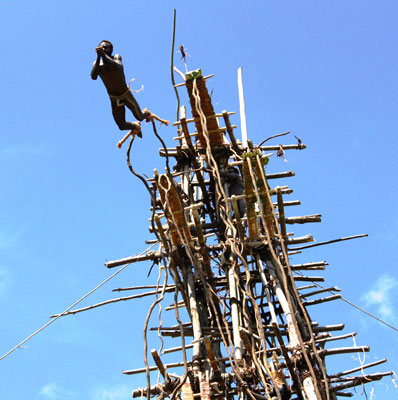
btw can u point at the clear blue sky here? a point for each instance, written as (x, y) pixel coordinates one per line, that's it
(325, 70)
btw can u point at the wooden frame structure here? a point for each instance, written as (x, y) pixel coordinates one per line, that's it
(222, 234)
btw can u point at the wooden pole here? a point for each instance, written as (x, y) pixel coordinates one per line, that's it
(350, 371)
(323, 300)
(230, 131)
(133, 259)
(159, 364)
(360, 380)
(197, 331)
(281, 211)
(235, 314)
(329, 289)
(267, 292)
(330, 241)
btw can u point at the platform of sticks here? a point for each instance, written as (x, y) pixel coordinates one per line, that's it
(242, 312)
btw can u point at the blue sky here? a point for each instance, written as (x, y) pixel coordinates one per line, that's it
(326, 71)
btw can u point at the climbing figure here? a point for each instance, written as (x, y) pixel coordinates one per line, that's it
(235, 185)
(110, 69)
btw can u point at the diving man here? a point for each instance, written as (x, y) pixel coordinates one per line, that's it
(110, 69)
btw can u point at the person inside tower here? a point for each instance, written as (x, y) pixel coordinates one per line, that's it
(235, 185)
(110, 69)
(284, 392)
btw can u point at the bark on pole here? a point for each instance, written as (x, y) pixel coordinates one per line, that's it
(197, 331)
(308, 384)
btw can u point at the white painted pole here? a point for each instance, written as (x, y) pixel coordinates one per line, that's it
(242, 110)
(238, 343)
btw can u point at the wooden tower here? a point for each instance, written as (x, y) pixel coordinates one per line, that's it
(221, 232)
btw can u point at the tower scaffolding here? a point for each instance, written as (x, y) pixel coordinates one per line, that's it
(222, 234)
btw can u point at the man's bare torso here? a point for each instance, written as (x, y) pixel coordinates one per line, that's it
(113, 77)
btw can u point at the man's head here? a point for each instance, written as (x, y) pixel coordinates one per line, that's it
(233, 170)
(107, 46)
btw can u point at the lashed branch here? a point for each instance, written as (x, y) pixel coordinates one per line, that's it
(303, 219)
(136, 296)
(360, 368)
(330, 241)
(359, 380)
(133, 259)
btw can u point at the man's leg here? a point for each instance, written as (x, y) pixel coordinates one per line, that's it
(134, 107)
(119, 115)
(131, 133)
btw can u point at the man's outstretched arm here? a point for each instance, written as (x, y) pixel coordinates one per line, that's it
(95, 69)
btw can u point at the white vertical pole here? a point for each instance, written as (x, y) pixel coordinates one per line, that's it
(242, 110)
(238, 343)
(197, 331)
